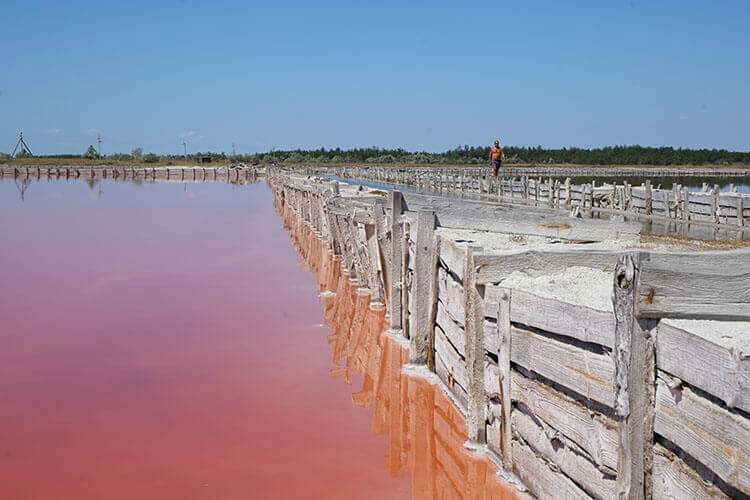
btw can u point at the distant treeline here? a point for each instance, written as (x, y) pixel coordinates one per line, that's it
(613, 155)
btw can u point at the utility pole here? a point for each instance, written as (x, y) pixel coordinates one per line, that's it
(184, 148)
(22, 143)
(233, 149)
(99, 143)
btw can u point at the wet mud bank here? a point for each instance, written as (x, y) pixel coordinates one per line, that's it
(567, 345)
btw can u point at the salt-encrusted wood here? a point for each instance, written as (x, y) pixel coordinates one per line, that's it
(452, 360)
(503, 363)
(706, 285)
(675, 480)
(492, 268)
(576, 466)
(540, 477)
(562, 318)
(396, 279)
(453, 257)
(588, 373)
(716, 437)
(718, 370)
(474, 327)
(451, 294)
(453, 331)
(634, 383)
(593, 432)
(425, 278)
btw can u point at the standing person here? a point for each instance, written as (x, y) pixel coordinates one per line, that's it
(497, 157)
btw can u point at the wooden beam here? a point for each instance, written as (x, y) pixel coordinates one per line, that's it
(474, 327)
(705, 285)
(492, 268)
(634, 384)
(425, 279)
(503, 363)
(396, 280)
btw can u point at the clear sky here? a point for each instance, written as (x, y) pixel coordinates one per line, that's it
(420, 75)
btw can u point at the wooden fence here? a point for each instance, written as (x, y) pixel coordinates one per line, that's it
(676, 204)
(235, 174)
(577, 401)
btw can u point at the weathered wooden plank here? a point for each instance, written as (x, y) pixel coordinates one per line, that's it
(474, 327)
(711, 434)
(722, 372)
(593, 432)
(588, 373)
(675, 480)
(705, 285)
(503, 363)
(397, 258)
(445, 371)
(451, 294)
(513, 219)
(453, 257)
(453, 331)
(492, 268)
(424, 276)
(634, 384)
(452, 359)
(572, 464)
(572, 320)
(541, 479)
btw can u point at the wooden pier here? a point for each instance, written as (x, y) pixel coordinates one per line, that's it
(585, 365)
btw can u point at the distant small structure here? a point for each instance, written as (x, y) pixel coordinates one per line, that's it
(203, 158)
(25, 149)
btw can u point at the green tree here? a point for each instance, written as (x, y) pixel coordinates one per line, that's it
(137, 154)
(91, 153)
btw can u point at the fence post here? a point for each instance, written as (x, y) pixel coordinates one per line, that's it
(635, 382)
(474, 324)
(503, 363)
(396, 278)
(425, 271)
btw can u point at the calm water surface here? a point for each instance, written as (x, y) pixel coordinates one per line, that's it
(161, 341)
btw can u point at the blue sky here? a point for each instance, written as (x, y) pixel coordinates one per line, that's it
(419, 75)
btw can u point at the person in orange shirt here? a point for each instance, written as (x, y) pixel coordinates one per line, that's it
(497, 157)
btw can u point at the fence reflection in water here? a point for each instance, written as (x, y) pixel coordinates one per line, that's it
(427, 431)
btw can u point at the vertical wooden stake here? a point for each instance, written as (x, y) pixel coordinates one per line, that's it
(503, 363)
(649, 202)
(740, 211)
(396, 279)
(635, 383)
(474, 324)
(715, 204)
(424, 277)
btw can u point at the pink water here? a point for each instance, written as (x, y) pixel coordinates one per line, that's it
(163, 342)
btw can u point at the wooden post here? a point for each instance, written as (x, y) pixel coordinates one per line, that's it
(715, 204)
(396, 278)
(649, 203)
(740, 211)
(474, 324)
(425, 269)
(635, 383)
(567, 193)
(685, 205)
(503, 363)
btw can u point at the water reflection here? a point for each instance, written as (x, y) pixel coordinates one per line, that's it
(426, 430)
